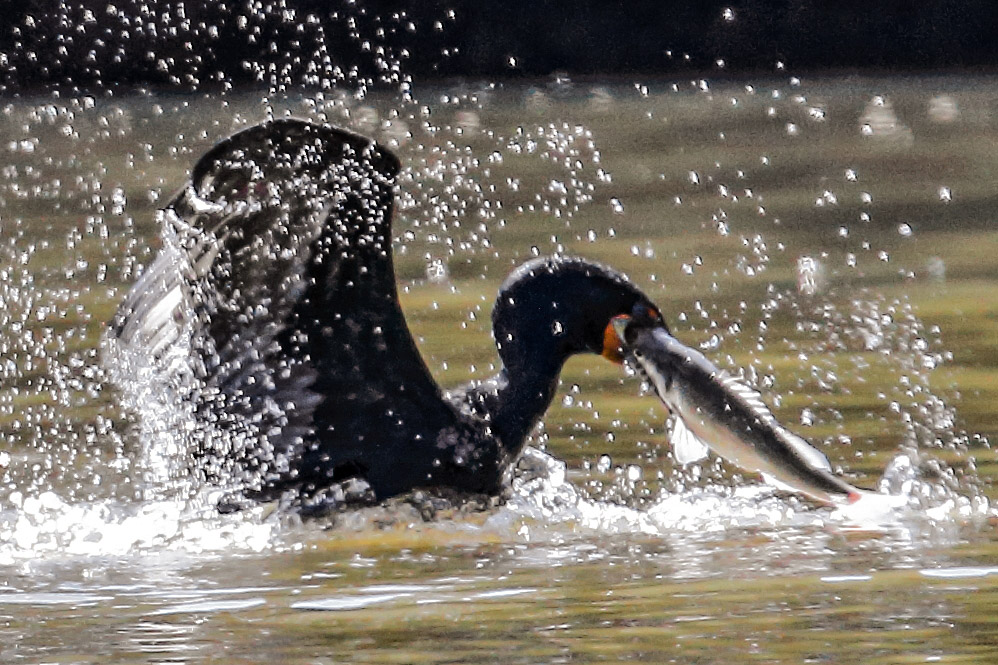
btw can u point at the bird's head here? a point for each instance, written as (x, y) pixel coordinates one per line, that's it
(554, 307)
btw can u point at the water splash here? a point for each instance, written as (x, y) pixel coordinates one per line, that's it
(46, 527)
(87, 168)
(542, 497)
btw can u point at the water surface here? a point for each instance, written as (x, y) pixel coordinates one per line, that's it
(884, 356)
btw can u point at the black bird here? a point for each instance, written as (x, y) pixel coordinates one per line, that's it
(276, 291)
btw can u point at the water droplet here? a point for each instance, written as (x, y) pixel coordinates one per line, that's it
(810, 275)
(436, 271)
(807, 417)
(711, 344)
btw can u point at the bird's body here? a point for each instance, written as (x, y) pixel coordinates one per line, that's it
(277, 281)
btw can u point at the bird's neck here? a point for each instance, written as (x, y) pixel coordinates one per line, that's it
(514, 400)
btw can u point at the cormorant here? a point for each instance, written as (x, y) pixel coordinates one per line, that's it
(274, 297)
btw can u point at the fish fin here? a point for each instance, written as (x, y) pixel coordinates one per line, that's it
(772, 481)
(814, 457)
(753, 399)
(686, 446)
(864, 508)
(748, 395)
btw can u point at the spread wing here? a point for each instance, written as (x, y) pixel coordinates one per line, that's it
(277, 276)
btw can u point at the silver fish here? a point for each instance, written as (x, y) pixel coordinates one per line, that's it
(717, 411)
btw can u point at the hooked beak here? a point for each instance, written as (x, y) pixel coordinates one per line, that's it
(615, 336)
(620, 324)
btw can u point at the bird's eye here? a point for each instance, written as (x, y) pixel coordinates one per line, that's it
(643, 312)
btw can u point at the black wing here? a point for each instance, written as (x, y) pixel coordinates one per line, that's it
(278, 263)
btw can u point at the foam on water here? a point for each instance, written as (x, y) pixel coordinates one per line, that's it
(544, 504)
(543, 497)
(48, 527)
